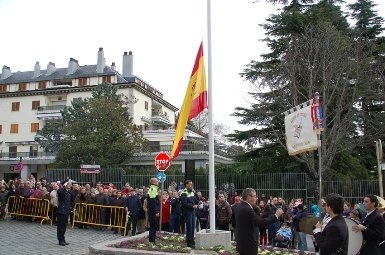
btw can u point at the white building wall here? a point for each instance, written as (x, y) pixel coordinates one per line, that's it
(24, 117)
(140, 110)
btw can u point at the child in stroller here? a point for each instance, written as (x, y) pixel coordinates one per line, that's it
(284, 236)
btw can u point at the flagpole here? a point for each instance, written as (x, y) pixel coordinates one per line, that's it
(319, 144)
(211, 125)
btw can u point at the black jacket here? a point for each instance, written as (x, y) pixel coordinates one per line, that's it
(247, 228)
(133, 204)
(382, 246)
(334, 237)
(374, 234)
(117, 201)
(175, 206)
(64, 197)
(142, 213)
(102, 199)
(188, 200)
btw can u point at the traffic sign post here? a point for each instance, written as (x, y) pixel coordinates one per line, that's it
(161, 177)
(162, 161)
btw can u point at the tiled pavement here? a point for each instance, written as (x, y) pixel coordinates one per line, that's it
(29, 238)
(21, 237)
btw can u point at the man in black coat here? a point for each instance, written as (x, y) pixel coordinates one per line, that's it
(132, 205)
(334, 238)
(372, 227)
(248, 223)
(63, 211)
(189, 202)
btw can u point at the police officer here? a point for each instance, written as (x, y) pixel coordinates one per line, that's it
(190, 202)
(153, 206)
(63, 211)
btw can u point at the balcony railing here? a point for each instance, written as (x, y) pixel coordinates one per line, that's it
(50, 112)
(186, 148)
(158, 117)
(26, 155)
(50, 108)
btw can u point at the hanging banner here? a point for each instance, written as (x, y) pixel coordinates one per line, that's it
(300, 136)
(317, 115)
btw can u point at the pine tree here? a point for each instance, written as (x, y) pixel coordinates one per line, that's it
(311, 49)
(370, 118)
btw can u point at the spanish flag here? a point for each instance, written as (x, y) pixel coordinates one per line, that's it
(195, 101)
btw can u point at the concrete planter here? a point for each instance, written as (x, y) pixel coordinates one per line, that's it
(105, 249)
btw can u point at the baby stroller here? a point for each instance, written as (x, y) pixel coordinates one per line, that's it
(283, 237)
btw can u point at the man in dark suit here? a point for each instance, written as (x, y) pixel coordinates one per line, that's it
(132, 205)
(334, 238)
(248, 223)
(372, 227)
(63, 211)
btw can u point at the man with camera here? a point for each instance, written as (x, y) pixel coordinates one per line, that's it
(275, 204)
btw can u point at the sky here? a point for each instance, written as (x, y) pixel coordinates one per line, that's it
(163, 35)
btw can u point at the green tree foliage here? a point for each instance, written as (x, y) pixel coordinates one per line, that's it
(312, 49)
(93, 130)
(370, 118)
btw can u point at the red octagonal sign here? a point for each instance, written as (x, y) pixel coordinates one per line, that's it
(162, 161)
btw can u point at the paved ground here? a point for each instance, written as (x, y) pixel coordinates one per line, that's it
(20, 237)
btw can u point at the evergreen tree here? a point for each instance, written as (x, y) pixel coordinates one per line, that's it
(370, 118)
(311, 49)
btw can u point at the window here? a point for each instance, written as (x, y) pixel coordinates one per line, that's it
(42, 84)
(12, 151)
(146, 105)
(35, 105)
(82, 81)
(33, 151)
(3, 88)
(107, 79)
(14, 128)
(63, 83)
(34, 127)
(15, 106)
(1, 129)
(22, 86)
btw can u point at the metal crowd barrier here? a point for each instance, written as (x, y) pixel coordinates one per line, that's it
(100, 215)
(29, 207)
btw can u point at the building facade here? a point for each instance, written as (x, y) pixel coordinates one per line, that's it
(30, 99)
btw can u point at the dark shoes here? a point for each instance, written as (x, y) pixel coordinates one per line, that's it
(63, 243)
(191, 244)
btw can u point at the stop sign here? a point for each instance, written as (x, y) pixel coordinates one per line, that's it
(162, 161)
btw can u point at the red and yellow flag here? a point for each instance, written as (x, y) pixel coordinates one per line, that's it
(195, 101)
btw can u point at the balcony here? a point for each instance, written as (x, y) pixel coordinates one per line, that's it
(26, 155)
(51, 112)
(160, 118)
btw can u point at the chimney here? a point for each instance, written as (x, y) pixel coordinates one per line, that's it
(127, 64)
(101, 61)
(50, 68)
(73, 66)
(36, 70)
(113, 66)
(6, 72)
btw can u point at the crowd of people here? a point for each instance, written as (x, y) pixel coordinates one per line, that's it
(181, 209)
